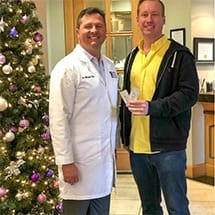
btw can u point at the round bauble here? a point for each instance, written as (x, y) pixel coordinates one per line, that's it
(14, 129)
(24, 19)
(59, 207)
(7, 69)
(37, 89)
(46, 135)
(35, 176)
(24, 123)
(41, 198)
(56, 184)
(2, 59)
(31, 69)
(49, 173)
(19, 196)
(3, 104)
(9, 136)
(13, 88)
(3, 191)
(38, 37)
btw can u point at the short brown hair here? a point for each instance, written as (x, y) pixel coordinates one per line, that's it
(161, 3)
(89, 11)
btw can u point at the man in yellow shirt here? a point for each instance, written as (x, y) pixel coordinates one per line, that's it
(155, 127)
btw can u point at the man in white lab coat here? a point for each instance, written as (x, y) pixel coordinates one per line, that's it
(83, 120)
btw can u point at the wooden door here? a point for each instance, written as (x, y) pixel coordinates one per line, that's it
(209, 138)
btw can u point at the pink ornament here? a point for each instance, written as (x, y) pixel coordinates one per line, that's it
(2, 191)
(45, 117)
(24, 19)
(41, 198)
(59, 207)
(35, 177)
(56, 184)
(38, 37)
(37, 89)
(2, 59)
(46, 135)
(13, 88)
(14, 129)
(24, 123)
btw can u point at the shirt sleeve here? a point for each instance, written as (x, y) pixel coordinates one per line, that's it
(61, 104)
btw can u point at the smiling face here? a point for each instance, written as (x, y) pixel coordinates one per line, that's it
(151, 19)
(92, 33)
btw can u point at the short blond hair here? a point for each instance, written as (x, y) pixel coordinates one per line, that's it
(161, 3)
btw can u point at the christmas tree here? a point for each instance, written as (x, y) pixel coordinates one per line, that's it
(28, 175)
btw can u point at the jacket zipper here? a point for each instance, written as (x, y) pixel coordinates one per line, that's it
(165, 66)
(123, 109)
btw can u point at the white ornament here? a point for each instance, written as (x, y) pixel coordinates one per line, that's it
(7, 69)
(31, 69)
(2, 25)
(9, 136)
(19, 196)
(3, 104)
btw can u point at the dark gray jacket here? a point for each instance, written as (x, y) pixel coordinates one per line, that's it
(177, 89)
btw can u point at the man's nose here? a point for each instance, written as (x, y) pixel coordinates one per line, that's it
(149, 18)
(93, 29)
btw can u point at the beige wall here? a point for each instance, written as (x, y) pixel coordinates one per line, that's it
(55, 31)
(178, 16)
(203, 25)
(50, 13)
(42, 16)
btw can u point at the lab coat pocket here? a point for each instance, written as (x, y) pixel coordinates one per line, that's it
(87, 151)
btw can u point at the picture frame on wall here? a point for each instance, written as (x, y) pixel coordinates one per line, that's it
(178, 35)
(204, 50)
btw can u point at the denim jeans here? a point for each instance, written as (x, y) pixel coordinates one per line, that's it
(162, 171)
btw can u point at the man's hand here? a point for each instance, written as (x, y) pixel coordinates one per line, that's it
(138, 107)
(70, 173)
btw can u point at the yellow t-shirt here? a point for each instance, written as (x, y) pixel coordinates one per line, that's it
(143, 76)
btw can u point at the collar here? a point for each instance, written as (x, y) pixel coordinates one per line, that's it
(156, 45)
(89, 56)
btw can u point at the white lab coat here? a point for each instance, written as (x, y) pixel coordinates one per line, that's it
(83, 121)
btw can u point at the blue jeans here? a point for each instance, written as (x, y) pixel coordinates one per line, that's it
(163, 171)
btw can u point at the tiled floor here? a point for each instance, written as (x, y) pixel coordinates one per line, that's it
(125, 199)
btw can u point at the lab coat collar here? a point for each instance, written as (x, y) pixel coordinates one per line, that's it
(85, 57)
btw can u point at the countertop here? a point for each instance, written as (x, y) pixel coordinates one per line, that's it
(206, 97)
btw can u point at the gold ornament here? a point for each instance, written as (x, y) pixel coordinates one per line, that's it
(3, 104)
(35, 61)
(9, 136)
